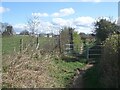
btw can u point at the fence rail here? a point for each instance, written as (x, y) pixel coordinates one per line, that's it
(94, 53)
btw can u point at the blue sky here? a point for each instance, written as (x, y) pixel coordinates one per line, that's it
(80, 15)
(60, 0)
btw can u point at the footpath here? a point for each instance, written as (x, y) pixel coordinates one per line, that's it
(78, 78)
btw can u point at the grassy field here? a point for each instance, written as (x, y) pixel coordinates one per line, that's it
(22, 69)
(11, 43)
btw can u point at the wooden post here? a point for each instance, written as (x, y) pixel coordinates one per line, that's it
(59, 42)
(21, 45)
(37, 40)
(14, 49)
(87, 53)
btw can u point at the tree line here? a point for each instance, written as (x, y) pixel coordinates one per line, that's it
(102, 29)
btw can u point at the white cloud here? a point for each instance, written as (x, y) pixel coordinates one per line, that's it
(81, 24)
(60, 21)
(80, 21)
(84, 29)
(40, 14)
(45, 27)
(20, 27)
(3, 9)
(64, 12)
(84, 21)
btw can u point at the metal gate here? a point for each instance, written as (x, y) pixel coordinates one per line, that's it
(94, 52)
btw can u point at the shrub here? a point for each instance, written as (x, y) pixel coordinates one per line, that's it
(109, 62)
(24, 32)
(77, 42)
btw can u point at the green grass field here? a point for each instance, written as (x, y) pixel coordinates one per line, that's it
(11, 43)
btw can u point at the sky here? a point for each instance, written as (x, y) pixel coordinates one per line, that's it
(55, 15)
(59, 0)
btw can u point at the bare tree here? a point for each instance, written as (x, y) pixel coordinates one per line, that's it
(33, 24)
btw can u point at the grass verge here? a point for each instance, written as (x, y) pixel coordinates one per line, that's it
(65, 71)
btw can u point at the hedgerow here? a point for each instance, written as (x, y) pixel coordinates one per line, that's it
(109, 62)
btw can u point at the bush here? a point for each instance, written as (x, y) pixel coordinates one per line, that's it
(25, 32)
(8, 31)
(77, 42)
(109, 62)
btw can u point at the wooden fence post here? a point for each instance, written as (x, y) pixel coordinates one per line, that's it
(14, 49)
(71, 39)
(37, 40)
(37, 46)
(21, 45)
(87, 53)
(59, 39)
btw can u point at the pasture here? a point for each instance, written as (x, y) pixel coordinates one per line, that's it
(12, 43)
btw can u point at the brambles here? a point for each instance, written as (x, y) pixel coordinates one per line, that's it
(20, 70)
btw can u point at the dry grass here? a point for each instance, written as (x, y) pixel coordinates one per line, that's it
(27, 70)
(36, 69)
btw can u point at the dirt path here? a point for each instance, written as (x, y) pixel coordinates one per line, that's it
(78, 79)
